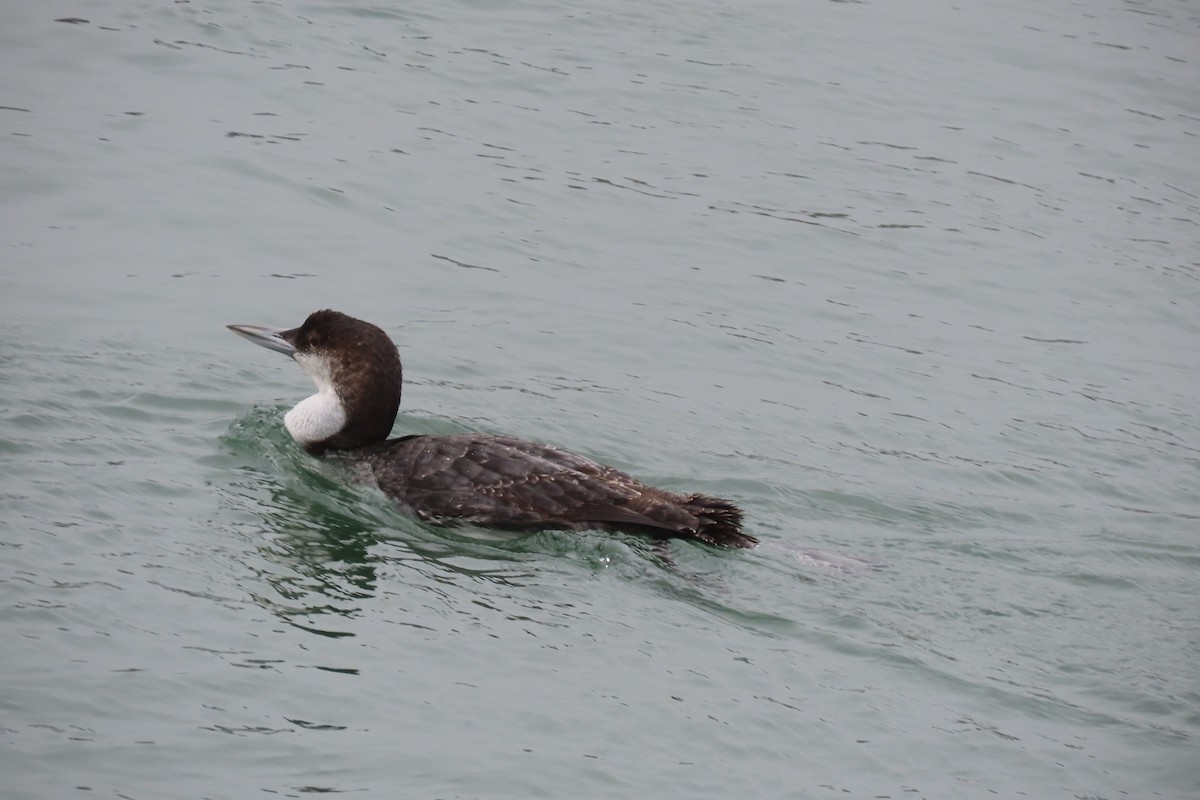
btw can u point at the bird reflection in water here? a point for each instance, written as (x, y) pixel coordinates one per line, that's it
(322, 551)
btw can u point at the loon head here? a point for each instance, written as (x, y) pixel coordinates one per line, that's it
(357, 372)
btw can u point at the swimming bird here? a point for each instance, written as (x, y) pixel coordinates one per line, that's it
(475, 478)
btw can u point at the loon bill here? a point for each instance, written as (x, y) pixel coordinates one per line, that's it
(476, 478)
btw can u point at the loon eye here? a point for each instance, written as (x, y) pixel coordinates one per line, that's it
(313, 339)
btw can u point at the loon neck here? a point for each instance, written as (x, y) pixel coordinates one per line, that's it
(356, 402)
(316, 419)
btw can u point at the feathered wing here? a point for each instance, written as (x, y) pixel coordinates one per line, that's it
(503, 482)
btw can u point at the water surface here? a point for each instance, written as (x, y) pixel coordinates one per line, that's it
(913, 283)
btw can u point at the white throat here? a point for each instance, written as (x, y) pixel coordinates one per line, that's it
(321, 415)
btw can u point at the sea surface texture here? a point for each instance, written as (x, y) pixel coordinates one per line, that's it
(917, 284)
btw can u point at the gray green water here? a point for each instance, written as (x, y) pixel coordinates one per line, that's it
(915, 283)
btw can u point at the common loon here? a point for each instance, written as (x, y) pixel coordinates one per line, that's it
(477, 478)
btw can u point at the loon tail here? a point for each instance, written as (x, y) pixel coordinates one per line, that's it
(718, 522)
